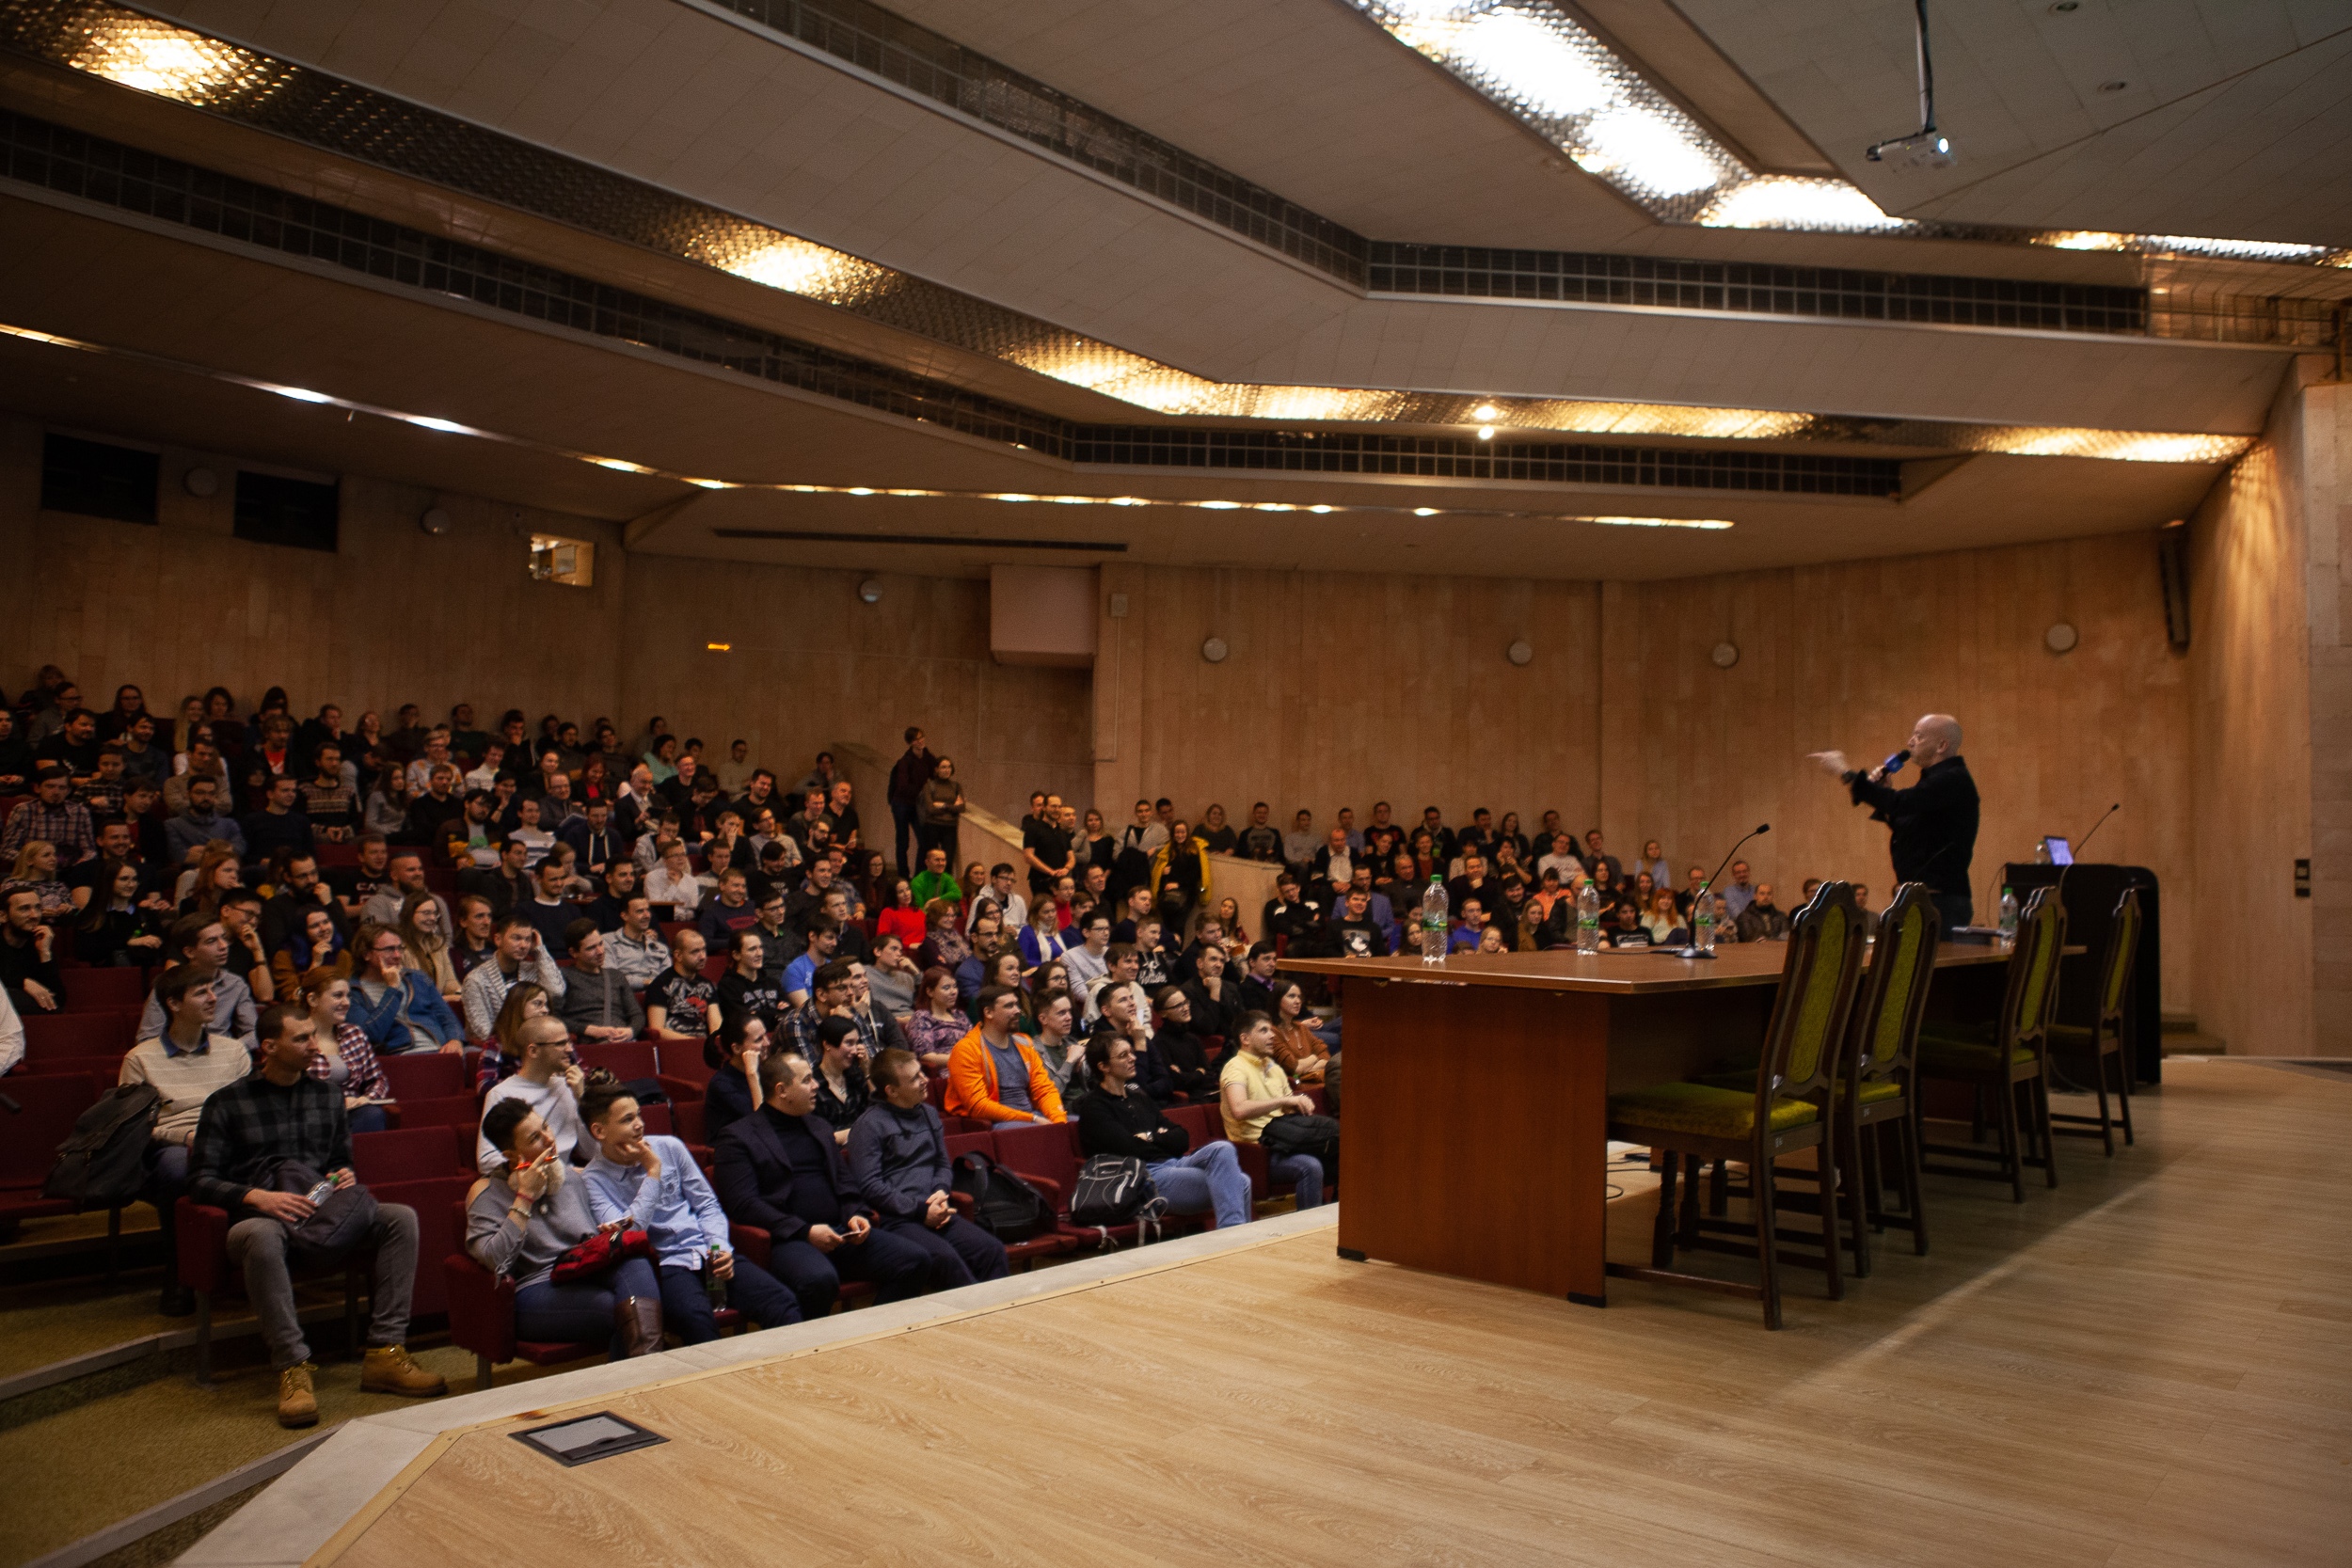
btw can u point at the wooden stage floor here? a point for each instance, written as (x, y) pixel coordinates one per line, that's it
(2147, 1369)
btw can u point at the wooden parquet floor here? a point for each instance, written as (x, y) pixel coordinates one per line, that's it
(2150, 1367)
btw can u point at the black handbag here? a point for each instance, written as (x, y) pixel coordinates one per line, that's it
(1111, 1187)
(1300, 1133)
(339, 1222)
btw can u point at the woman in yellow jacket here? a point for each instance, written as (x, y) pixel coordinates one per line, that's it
(1182, 860)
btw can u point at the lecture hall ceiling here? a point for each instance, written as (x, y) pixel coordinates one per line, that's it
(1361, 143)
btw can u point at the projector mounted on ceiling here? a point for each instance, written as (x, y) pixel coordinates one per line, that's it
(1925, 148)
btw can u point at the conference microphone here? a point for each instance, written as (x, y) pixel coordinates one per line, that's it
(1692, 951)
(2095, 827)
(2074, 857)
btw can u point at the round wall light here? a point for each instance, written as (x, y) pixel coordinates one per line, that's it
(200, 481)
(1215, 650)
(1521, 652)
(2062, 638)
(871, 590)
(1724, 654)
(435, 522)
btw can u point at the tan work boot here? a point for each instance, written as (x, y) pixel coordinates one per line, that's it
(388, 1370)
(297, 1402)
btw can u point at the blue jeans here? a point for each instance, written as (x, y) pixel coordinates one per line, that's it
(367, 1118)
(1303, 1172)
(753, 1291)
(1210, 1177)
(581, 1312)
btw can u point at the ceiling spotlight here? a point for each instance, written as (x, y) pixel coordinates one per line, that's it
(1487, 411)
(436, 521)
(1485, 432)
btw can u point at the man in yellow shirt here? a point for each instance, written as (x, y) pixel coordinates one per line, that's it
(1252, 1090)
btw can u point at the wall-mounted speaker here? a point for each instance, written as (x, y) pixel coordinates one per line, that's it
(2173, 571)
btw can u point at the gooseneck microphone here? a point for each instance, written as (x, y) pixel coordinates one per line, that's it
(2095, 827)
(1709, 887)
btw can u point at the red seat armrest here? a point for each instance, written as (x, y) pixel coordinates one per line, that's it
(481, 1308)
(753, 1243)
(203, 1241)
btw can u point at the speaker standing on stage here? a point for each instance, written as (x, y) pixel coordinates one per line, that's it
(1933, 823)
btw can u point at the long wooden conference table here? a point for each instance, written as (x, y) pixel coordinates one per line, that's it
(1476, 1092)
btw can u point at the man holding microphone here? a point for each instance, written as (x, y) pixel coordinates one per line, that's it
(1933, 823)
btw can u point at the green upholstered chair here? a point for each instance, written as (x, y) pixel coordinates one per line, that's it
(1788, 1107)
(2007, 1058)
(1884, 1056)
(2104, 1037)
(1876, 1083)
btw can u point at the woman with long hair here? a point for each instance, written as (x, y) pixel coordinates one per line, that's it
(937, 1022)
(315, 948)
(527, 1001)
(427, 946)
(596, 781)
(1184, 860)
(218, 874)
(944, 944)
(113, 931)
(1296, 1045)
(344, 1056)
(130, 707)
(1236, 937)
(1507, 831)
(185, 725)
(386, 810)
(899, 917)
(1041, 940)
(36, 870)
(662, 760)
(1664, 920)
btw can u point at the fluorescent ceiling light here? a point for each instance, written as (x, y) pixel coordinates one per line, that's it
(1790, 201)
(1549, 69)
(1656, 523)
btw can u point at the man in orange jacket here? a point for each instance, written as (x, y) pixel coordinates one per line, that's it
(994, 1075)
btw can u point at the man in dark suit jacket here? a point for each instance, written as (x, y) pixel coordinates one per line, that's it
(780, 1170)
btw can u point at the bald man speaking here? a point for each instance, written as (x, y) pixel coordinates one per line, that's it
(1933, 823)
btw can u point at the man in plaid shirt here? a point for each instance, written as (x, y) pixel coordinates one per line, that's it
(282, 1113)
(49, 814)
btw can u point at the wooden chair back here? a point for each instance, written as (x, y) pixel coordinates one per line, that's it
(1894, 991)
(1803, 1052)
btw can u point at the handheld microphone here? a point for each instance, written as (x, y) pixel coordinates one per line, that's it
(1709, 888)
(1894, 764)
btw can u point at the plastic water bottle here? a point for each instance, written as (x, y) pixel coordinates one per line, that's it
(1587, 918)
(1703, 919)
(1434, 925)
(2009, 917)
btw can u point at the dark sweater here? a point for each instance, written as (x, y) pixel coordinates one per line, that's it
(1132, 1125)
